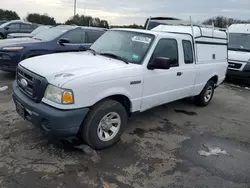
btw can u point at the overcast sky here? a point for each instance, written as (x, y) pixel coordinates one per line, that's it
(132, 11)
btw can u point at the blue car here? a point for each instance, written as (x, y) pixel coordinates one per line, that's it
(63, 38)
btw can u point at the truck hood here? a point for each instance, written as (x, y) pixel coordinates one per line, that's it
(238, 56)
(60, 68)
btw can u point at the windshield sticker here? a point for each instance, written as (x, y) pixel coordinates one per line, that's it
(134, 56)
(141, 39)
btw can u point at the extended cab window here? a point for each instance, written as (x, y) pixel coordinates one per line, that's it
(167, 48)
(92, 36)
(75, 36)
(188, 52)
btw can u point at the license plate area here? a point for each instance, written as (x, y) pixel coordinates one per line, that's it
(20, 110)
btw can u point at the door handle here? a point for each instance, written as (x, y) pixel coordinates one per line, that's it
(179, 73)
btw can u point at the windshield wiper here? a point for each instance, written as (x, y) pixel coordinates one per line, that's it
(93, 51)
(37, 39)
(115, 56)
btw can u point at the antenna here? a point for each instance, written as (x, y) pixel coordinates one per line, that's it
(194, 45)
(213, 29)
(149, 19)
(192, 27)
(74, 7)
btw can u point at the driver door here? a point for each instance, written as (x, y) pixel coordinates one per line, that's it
(160, 85)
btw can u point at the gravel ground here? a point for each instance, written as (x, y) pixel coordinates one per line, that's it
(160, 148)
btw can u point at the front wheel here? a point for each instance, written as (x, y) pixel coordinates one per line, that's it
(206, 95)
(104, 124)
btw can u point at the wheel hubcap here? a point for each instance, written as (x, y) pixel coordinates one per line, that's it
(109, 126)
(208, 94)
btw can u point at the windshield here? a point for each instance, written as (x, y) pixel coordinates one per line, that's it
(239, 41)
(39, 29)
(131, 46)
(51, 34)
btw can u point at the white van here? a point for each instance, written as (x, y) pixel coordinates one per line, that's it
(92, 93)
(239, 51)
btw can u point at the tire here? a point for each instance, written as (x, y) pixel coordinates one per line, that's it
(1, 36)
(95, 133)
(203, 99)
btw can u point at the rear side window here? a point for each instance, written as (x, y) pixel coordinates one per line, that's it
(13, 26)
(188, 52)
(25, 26)
(92, 36)
(167, 48)
(76, 36)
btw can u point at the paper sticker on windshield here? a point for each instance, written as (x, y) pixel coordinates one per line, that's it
(135, 56)
(141, 39)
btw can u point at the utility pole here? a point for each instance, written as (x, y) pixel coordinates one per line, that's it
(74, 7)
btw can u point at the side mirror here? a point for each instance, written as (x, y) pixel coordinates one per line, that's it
(160, 63)
(7, 28)
(63, 41)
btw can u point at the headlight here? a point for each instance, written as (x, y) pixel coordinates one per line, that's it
(59, 95)
(12, 48)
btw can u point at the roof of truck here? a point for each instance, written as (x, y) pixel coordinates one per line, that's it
(137, 30)
(198, 32)
(239, 28)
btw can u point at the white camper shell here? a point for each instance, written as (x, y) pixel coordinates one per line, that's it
(239, 51)
(210, 44)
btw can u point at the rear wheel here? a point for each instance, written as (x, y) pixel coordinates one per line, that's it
(1, 36)
(104, 124)
(206, 95)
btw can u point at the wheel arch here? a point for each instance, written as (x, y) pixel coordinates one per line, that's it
(214, 78)
(121, 98)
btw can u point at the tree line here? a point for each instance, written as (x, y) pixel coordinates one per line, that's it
(45, 19)
(82, 20)
(223, 22)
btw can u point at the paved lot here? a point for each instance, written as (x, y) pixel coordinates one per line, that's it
(160, 148)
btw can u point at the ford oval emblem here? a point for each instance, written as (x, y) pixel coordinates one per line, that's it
(24, 83)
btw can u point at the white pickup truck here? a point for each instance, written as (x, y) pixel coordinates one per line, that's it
(91, 94)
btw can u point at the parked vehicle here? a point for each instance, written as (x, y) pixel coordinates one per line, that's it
(15, 26)
(239, 51)
(2, 21)
(57, 39)
(29, 35)
(91, 94)
(153, 22)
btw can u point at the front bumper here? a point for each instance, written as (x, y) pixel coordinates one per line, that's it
(244, 75)
(57, 122)
(9, 61)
